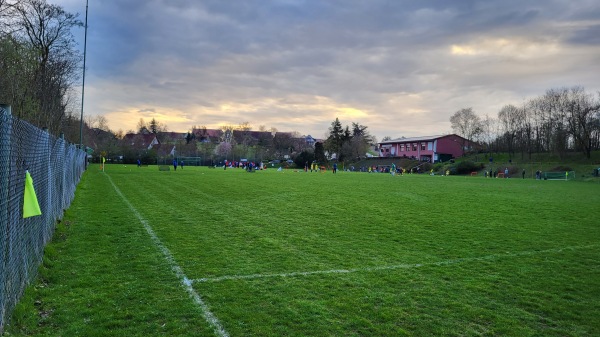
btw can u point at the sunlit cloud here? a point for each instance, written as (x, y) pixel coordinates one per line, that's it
(519, 47)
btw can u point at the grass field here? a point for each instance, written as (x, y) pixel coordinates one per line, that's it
(208, 252)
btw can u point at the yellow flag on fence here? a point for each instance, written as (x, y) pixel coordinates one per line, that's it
(103, 160)
(31, 207)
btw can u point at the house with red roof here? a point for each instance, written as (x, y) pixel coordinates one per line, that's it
(429, 148)
(139, 140)
(207, 135)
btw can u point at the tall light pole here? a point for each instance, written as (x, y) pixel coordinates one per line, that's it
(83, 84)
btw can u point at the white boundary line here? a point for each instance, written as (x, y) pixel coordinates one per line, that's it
(187, 283)
(390, 267)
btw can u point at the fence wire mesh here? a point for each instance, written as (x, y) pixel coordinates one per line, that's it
(56, 168)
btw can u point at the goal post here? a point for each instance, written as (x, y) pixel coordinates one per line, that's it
(168, 162)
(190, 161)
(564, 175)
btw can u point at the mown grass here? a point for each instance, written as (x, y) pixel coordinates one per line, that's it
(300, 254)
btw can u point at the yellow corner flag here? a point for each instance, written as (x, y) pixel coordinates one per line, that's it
(31, 207)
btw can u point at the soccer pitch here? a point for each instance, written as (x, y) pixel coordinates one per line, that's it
(213, 252)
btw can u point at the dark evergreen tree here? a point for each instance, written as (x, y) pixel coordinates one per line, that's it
(320, 153)
(334, 141)
(153, 126)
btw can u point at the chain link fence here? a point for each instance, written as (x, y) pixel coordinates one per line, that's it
(56, 167)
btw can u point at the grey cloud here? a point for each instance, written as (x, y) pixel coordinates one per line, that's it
(587, 36)
(369, 55)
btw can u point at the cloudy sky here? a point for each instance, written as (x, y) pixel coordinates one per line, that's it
(402, 68)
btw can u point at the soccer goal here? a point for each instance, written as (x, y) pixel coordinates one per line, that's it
(565, 175)
(164, 163)
(190, 161)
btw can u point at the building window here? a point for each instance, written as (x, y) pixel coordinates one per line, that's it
(401, 147)
(423, 146)
(414, 146)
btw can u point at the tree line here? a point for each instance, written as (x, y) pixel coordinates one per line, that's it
(233, 143)
(559, 121)
(39, 64)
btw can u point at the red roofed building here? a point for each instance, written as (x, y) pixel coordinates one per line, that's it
(146, 141)
(207, 135)
(429, 148)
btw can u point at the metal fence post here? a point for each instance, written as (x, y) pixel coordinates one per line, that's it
(5, 134)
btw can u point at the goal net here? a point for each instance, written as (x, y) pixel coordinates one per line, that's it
(168, 163)
(164, 163)
(565, 175)
(190, 161)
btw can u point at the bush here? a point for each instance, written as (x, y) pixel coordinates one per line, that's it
(426, 168)
(303, 158)
(466, 167)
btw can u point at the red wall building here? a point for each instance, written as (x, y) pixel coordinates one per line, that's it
(431, 148)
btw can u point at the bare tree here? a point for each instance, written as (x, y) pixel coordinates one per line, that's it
(553, 122)
(580, 110)
(467, 124)
(245, 126)
(142, 126)
(46, 29)
(227, 135)
(282, 143)
(7, 15)
(97, 122)
(528, 130)
(488, 132)
(510, 118)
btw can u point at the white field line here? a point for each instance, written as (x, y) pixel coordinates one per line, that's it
(187, 283)
(390, 267)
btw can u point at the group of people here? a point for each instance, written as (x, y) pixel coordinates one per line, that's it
(496, 174)
(246, 165)
(175, 163)
(314, 167)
